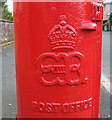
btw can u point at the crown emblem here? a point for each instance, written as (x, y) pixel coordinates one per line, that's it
(62, 36)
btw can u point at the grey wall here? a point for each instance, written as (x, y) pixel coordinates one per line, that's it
(107, 10)
(6, 31)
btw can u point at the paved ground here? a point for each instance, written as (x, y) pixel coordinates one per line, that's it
(8, 81)
(106, 54)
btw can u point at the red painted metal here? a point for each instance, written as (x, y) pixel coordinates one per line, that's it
(58, 59)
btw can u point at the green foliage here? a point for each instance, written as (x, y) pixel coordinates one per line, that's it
(6, 14)
(110, 17)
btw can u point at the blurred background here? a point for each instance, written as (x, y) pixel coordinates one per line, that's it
(9, 108)
(107, 21)
(6, 20)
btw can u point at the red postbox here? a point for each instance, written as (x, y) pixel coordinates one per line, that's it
(58, 58)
